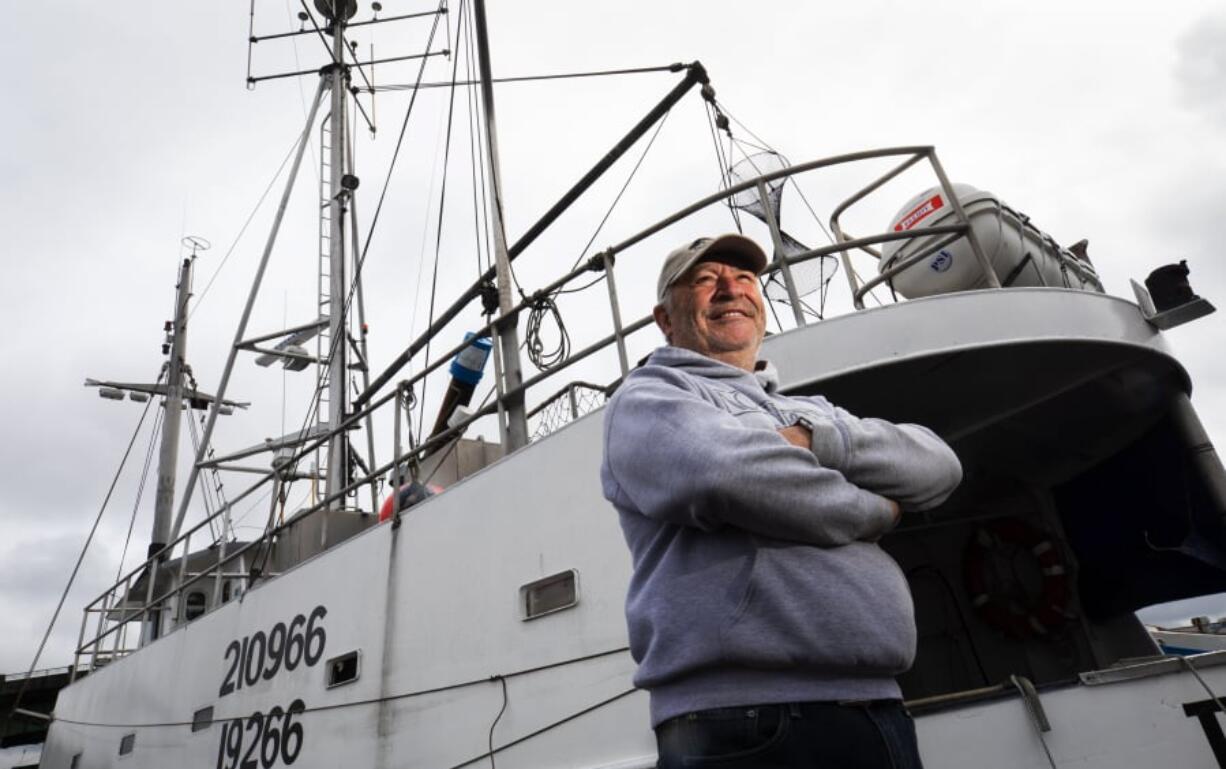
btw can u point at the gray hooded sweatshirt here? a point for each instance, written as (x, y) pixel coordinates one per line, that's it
(757, 577)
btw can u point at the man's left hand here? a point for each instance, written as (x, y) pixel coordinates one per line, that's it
(797, 435)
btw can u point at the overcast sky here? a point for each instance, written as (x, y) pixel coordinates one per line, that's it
(130, 127)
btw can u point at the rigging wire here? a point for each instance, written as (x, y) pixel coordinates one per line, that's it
(622, 191)
(442, 206)
(77, 567)
(140, 490)
(396, 152)
(242, 230)
(476, 151)
(210, 503)
(534, 78)
(289, 14)
(723, 166)
(418, 284)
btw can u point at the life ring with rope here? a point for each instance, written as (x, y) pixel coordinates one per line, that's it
(1038, 616)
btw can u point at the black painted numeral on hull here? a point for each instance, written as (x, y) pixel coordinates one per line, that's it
(1205, 712)
(227, 683)
(265, 739)
(261, 656)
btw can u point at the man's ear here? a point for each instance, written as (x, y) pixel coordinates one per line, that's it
(660, 313)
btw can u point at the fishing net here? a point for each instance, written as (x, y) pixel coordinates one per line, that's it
(808, 276)
(572, 402)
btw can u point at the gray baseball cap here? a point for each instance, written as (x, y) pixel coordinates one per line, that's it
(685, 257)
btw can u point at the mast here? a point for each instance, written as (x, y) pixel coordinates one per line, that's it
(337, 12)
(508, 331)
(168, 452)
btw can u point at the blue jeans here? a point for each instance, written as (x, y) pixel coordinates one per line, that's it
(814, 735)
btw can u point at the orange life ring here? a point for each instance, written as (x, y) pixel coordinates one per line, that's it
(1038, 617)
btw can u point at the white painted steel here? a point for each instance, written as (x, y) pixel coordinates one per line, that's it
(958, 322)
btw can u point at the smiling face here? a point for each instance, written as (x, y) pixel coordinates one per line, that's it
(715, 308)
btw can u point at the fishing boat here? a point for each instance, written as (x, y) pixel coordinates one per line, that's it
(443, 600)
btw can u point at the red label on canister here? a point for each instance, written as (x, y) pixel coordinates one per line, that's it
(917, 214)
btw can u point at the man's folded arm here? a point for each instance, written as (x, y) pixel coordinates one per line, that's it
(905, 462)
(678, 458)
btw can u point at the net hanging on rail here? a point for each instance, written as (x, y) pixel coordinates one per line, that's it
(809, 276)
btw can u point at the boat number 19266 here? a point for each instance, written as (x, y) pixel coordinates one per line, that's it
(262, 655)
(266, 737)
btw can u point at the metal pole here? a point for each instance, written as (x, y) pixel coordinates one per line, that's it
(155, 621)
(125, 620)
(398, 408)
(780, 257)
(221, 558)
(500, 389)
(622, 358)
(338, 446)
(574, 403)
(508, 333)
(187, 549)
(361, 341)
(168, 453)
(76, 657)
(202, 453)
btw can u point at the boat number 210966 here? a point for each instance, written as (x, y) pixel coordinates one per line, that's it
(264, 655)
(276, 735)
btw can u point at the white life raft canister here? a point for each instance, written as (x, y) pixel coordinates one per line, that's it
(1021, 254)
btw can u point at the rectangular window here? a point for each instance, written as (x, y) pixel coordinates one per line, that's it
(344, 669)
(127, 744)
(553, 593)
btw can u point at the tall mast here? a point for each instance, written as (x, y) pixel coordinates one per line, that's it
(508, 331)
(168, 453)
(338, 13)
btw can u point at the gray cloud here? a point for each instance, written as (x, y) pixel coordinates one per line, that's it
(1201, 68)
(34, 571)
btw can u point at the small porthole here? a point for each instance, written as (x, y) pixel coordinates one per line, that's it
(127, 744)
(344, 669)
(553, 593)
(202, 719)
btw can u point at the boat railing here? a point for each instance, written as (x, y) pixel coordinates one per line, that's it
(113, 609)
(566, 405)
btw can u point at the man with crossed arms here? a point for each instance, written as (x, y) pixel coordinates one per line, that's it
(767, 623)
